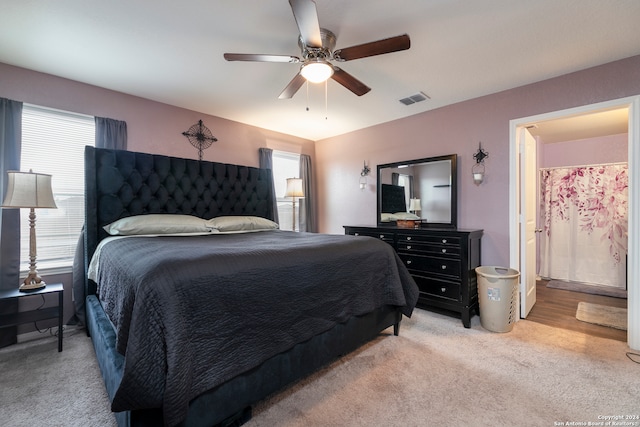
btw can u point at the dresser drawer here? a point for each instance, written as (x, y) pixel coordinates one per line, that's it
(434, 265)
(428, 239)
(428, 249)
(382, 235)
(438, 288)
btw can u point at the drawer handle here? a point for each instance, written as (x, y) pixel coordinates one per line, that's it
(444, 240)
(444, 267)
(382, 236)
(356, 234)
(408, 246)
(408, 237)
(408, 262)
(444, 251)
(443, 290)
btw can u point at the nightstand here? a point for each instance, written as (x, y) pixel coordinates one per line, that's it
(14, 319)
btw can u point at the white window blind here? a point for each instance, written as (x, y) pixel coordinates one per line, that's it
(53, 142)
(285, 165)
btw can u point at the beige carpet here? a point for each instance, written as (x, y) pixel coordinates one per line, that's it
(436, 373)
(613, 317)
(41, 387)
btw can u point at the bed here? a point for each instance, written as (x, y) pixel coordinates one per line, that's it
(192, 327)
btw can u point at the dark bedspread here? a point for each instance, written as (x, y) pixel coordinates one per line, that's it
(193, 312)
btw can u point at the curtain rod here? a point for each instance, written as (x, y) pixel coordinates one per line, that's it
(584, 166)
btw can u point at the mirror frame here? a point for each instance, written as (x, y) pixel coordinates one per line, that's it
(453, 223)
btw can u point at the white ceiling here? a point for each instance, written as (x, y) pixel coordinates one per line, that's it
(583, 126)
(172, 51)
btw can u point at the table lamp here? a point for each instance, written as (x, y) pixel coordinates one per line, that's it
(30, 190)
(414, 205)
(294, 189)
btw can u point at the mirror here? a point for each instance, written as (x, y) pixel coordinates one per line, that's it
(423, 189)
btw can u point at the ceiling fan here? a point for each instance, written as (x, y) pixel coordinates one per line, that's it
(317, 49)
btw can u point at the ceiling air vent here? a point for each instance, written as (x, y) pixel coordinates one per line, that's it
(418, 97)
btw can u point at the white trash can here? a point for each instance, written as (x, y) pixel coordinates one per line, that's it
(498, 296)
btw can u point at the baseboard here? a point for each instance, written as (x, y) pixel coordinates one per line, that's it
(46, 332)
(34, 335)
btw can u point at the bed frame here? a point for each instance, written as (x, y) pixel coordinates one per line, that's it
(124, 183)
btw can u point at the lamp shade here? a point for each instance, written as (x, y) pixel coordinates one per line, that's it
(294, 188)
(316, 70)
(414, 205)
(28, 190)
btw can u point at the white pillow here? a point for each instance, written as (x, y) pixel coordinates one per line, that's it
(387, 217)
(157, 224)
(405, 215)
(241, 223)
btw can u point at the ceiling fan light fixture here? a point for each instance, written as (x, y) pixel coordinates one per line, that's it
(316, 70)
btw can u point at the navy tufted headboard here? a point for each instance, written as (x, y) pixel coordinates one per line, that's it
(124, 183)
(393, 198)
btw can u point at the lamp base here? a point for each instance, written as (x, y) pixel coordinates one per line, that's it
(33, 282)
(32, 287)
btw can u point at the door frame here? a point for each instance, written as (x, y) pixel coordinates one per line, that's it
(633, 269)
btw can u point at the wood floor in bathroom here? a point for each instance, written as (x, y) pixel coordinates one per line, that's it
(557, 307)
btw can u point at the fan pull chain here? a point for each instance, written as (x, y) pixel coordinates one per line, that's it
(326, 100)
(307, 85)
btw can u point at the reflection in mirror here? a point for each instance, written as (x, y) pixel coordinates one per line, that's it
(423, 189)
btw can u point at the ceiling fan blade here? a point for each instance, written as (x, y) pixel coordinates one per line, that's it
(306, 15)
(292, 87)
(392, 44)
(350, 82)
(260, 58)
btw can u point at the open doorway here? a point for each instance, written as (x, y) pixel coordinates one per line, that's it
(520, 234)
(581, 206)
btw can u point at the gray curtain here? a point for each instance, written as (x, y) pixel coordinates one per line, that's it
(111, 134)
(266, 162)
(412, 191)
(10, 146)
(308, 220)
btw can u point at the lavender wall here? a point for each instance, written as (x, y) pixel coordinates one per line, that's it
(457, 129)
(152, 127)
(592, 151)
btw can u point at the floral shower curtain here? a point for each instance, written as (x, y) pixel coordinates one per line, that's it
(584, 237)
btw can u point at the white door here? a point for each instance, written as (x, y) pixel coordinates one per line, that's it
(528, 189)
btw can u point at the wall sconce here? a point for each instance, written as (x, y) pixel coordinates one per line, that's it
(363, 176)
(477, 170)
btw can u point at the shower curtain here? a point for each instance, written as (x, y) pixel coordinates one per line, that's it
(584, 213)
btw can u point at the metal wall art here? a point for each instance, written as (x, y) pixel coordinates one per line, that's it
(200, 137)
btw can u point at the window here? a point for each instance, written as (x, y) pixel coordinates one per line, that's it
(405, 181)
(53, 142)
(285, 165)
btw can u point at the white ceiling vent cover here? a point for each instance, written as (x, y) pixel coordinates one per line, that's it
(418, 97)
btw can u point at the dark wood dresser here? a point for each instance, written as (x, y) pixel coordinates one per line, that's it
(441, 261)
